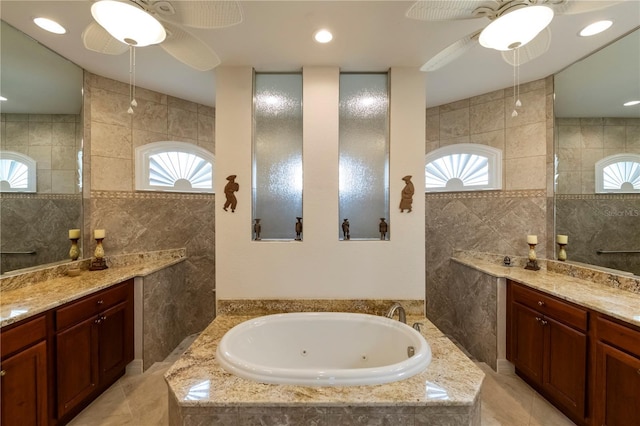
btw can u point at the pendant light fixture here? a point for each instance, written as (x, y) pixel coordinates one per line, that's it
(130, 25)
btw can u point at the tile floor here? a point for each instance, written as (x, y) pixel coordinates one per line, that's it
(141, 400)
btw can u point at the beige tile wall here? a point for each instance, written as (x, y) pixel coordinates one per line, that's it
(53, 141)
(584, 141)
(489, 221)
(138, 221)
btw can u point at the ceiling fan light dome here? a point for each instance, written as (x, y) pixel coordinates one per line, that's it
(128, 23)
(517, 28)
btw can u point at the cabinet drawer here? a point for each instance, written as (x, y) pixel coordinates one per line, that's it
(624, 337)
(23, 335)
(91, 305)
(548, 305)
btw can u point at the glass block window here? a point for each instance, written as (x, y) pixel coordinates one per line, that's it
(277, 176)
(618, 173)
(17, 172)
(463, 167)
(174, 166)
(363, 156)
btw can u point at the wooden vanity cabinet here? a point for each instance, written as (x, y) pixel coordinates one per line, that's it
(616, 390)
(549, 347)
(94, 344)
(23, 374)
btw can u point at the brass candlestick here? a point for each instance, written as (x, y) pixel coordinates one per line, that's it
(74, 251)
(532, 264)
(562, 254)
(98, 263)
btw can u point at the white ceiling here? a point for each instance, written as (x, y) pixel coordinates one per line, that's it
(368, 36)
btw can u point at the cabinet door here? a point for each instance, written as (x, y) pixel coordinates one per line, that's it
(527, 340)
(565, 366)
(617, 386)
(116, 341)
(24, 387)
(77, 362)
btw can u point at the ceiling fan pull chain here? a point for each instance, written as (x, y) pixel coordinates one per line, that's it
(516, 82)
(134, 103)
(518, 103)
(130, 110)
(132, 79)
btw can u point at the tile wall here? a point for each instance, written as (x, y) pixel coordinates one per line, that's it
(489, 221)
(596, 221)
(147, 221)
(27, 220)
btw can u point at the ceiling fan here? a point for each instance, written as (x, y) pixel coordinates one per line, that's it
(172, 17)
(439, 10)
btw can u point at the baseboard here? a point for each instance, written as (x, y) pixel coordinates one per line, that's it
(504, 367)
(134, 367)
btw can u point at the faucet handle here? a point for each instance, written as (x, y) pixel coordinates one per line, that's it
(417, 325)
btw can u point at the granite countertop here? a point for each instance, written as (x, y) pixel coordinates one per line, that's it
(26, 295)
(595, 290)
(451, 378)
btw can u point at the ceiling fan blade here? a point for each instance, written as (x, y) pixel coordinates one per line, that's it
(443, 10)
(199, 14)
(536, 47)
(450, 53)
(189, 49)
(572, 7)
(97, 39)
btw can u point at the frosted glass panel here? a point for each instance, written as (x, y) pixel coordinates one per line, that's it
(277, 154)
(364, 154)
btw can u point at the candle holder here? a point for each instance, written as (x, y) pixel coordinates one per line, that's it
(532, 264)
(562, 254)
(74, 251)
(98, 263)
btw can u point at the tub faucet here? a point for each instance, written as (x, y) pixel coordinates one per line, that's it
(402, 316)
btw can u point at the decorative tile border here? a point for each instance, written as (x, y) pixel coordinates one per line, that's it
(597, 196)
(144, 195)
(41, 196)
(534, 193)
(275, 306)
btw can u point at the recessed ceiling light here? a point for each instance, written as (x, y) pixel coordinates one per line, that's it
(323, 36)
(595, 28)
(631, 103)
(49, 25)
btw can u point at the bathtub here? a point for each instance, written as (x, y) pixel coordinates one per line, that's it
(323, 349)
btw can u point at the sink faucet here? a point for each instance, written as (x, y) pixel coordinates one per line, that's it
(402, 316)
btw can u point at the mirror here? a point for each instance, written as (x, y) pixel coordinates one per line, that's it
(598, 206)
(41, 125)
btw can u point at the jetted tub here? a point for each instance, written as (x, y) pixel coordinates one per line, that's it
(323, 349)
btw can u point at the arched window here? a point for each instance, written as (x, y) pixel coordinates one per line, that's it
(17, 172)
(618, 173)
(174, 166)
(463, 167)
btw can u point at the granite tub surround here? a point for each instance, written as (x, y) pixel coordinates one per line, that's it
(28, 294)
(258, 307)
(201, 392)
(615, 295)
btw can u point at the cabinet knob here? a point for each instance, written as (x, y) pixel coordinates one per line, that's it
(544, 322)
(3, 372)
(98, 320)
(100, 302)
(538, 319)
(540, 303)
